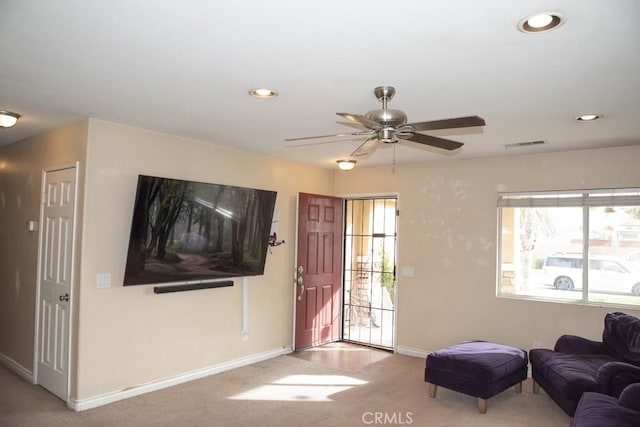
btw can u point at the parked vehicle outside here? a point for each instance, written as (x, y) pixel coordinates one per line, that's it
(606, 274)
(633, 260)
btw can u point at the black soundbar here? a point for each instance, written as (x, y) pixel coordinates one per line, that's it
(191, 287)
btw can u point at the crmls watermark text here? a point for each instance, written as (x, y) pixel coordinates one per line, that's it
(388, 418)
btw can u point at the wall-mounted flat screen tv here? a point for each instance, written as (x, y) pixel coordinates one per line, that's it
(185, 231)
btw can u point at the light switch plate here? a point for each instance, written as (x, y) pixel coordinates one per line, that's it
(408, 271)
(103, 280)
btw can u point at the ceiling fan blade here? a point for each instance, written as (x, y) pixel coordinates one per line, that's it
(366, 148)
(360, 119)
(433, 141)
(329, 136)
(459, 122)
(308, 144)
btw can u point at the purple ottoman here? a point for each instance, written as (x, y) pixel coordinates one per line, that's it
(477, 368)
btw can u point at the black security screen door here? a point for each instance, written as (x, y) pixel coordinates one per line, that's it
(369, 271)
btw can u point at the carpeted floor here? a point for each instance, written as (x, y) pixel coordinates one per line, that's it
(335, 385)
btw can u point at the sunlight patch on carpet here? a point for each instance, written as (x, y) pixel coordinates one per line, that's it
(307, 388)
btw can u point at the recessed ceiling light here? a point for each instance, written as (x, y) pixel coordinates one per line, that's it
(541, 22)
(8, 119)
(346, 165)
(588, 117)
(263, 93)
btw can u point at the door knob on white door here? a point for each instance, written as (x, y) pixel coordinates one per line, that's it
(64, 297)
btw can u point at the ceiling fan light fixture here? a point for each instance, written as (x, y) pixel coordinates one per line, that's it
(346, 165)
(541, 22)
(588, 117)
(263, 93)
(8, 119)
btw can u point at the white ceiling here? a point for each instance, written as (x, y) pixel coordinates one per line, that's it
(185, 68)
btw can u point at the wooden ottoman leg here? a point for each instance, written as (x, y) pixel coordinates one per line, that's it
(519, 388)
(433, 389)
(536, 387)
(482, 405)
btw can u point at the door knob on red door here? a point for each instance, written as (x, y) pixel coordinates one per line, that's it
(301, 283)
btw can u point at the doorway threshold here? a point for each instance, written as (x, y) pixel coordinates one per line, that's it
(342, 355)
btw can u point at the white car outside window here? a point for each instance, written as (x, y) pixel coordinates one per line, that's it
(608, 275)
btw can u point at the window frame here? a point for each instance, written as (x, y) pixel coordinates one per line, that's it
(585, 199)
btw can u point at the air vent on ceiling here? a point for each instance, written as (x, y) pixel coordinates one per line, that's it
(524, 144)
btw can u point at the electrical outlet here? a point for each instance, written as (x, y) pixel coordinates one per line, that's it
(537, 344)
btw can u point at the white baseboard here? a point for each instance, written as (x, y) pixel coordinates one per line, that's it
(409, 351)
(104, 399)
(14, 366)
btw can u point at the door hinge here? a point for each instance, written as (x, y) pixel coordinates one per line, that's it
(397, 212)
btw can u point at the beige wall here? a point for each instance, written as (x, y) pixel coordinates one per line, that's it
(448, 232)
(21, 166)
(130, 336)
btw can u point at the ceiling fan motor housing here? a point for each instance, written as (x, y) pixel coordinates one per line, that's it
(391, 118)
(389, 121)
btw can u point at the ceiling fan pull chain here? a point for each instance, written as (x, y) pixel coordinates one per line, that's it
(393, 165)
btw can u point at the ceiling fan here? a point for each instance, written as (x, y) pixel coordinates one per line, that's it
(389, 126)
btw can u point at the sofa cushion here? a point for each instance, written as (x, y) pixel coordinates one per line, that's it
(597, 410)
(621, 335)
(570, 374)
(630, 398)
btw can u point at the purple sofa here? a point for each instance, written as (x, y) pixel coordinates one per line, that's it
(597, 410)
(577, 365)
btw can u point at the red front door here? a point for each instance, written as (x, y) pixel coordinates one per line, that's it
(318, 265)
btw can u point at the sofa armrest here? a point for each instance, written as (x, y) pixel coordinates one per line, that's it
(578, 345)
(630, 397)
(613, 377)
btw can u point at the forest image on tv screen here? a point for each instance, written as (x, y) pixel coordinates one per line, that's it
(186, 231)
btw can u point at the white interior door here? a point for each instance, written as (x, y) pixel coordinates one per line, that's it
(55, 280)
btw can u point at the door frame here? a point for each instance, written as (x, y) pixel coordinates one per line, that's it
(344, 197)
(36, 347)
(294, 281)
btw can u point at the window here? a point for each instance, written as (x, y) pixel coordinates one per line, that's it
(545, 238)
